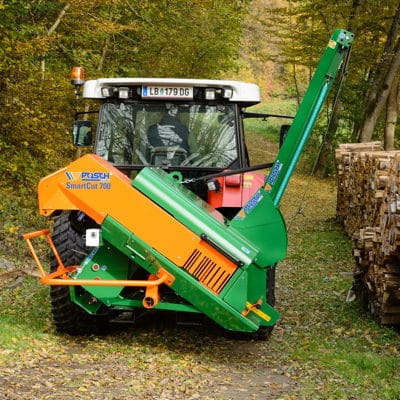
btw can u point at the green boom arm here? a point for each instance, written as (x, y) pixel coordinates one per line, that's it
(260, 221)
(288, 156)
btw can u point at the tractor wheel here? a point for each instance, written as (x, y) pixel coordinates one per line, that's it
(264, 332)
(68, 317)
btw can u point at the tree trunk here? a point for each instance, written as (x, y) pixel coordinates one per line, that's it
(105, 46)
(323, 166)
(296, 85)
(392, 111)
(49, 33)
(383, 79)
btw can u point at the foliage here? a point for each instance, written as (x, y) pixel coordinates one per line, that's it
(150, 38)
(41, 40)
(295, 33)
(18, 215)
(34, 137)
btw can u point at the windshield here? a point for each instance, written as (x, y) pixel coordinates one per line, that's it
(193, 135)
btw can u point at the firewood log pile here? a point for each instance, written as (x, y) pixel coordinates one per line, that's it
(368, 206)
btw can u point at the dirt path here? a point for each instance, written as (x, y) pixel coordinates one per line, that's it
(155, 360)
(151, 363)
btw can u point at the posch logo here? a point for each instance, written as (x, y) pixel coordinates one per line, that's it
(89, 176)
(95, 176)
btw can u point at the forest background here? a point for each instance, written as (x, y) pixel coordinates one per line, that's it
(323, 347)
(276, 44)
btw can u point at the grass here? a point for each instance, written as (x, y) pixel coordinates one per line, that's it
(24, 317)
(269, 128)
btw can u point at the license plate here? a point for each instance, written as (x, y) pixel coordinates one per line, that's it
(167, 92)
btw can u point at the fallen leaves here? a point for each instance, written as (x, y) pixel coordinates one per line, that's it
(312, 342)
(83, 368)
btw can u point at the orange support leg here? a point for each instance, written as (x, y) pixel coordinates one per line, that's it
(60, 277)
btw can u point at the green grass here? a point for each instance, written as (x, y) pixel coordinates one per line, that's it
(269, 128)
(24, 318)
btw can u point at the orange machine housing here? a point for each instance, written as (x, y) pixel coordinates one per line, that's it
(94, 186)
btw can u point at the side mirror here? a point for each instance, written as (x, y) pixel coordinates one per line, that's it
(82, 133)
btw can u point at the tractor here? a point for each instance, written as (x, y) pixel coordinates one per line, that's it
(165, 214)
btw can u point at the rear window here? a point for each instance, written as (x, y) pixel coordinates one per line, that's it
(192, 135)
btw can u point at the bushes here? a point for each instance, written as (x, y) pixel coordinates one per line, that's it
(35, 138)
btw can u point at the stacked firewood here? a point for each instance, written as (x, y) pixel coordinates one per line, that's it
(368, 205)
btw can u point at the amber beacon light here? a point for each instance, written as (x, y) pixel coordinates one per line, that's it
(77, 78)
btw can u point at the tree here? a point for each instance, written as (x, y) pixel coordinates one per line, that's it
(324, 163)
(302, 27)
(41, 39)
(392, 112)
(382, 80)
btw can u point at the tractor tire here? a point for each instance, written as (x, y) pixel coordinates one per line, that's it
(68, 317)
(264, 332)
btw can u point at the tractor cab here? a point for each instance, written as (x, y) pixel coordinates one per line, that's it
(190, 126)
